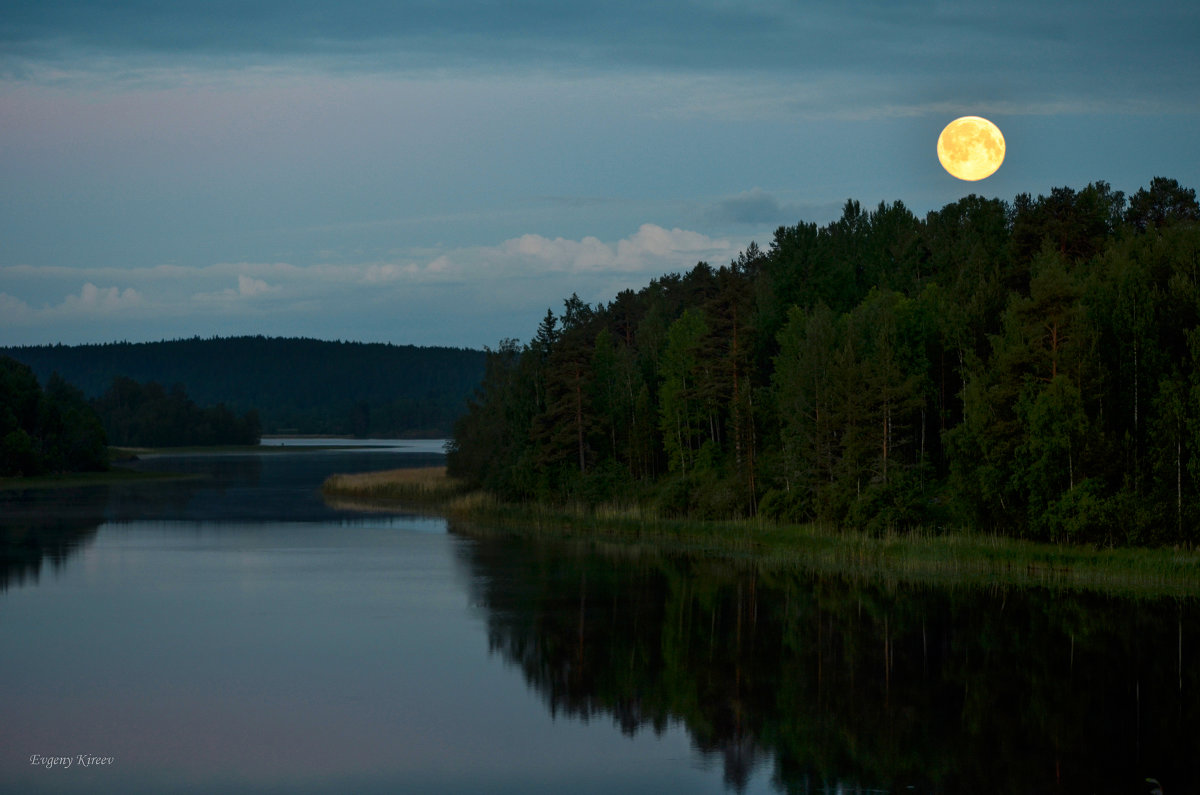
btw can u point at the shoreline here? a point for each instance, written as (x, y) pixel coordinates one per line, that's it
(116, 475)
(949, 558)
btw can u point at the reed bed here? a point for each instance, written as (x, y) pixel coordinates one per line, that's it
(957, 557)
(424, 486)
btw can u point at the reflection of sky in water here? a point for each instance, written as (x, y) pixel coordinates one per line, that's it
(231, 633)
(209, 648)
(436, 446)
(302, 656)
(264, 487)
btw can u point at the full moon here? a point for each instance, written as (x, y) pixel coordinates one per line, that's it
(971, 148)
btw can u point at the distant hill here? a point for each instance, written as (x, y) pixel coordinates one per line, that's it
(297, 385)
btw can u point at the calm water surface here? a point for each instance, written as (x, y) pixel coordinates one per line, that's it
(233, 633)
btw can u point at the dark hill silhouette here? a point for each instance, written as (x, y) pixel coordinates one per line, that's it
(297, 385)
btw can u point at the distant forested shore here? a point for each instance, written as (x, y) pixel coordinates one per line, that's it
(1025, 368)
(292, 385)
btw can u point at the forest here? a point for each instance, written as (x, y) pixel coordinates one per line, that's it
(296, 385)
(46, 430)
(1026, 368)
(147, 415)
(57, 429)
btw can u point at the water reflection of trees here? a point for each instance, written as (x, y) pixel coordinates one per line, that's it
(858, 684)
(40, 526)
(43, 529)
(212, 488)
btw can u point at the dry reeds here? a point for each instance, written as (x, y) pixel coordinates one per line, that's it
(425, 485)
(918, 556)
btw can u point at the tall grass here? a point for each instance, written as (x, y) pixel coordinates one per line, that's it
(425, 486)
(960, 557)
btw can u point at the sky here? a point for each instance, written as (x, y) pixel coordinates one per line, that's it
(440, 172)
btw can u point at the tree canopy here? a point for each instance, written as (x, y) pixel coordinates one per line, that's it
(46, 431)
(147, 415)
(1026, 367)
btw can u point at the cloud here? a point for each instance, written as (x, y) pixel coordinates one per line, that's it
(754, 206)
(761, 209)
(90, 302)
(523, 274)
(248, 287)
(651, 248)
(438, 269)
(14, 310)
(464, 30)
(819, 56)
(99, 300)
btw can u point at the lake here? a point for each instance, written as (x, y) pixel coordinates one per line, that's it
(230, 632)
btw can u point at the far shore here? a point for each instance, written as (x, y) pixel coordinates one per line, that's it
(955, 558)
(114, 476)
(118, 454)
(421, 438)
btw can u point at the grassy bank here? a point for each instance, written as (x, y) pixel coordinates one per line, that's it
(116, 473)
(118, 454)
(962, 557)
(114, 476)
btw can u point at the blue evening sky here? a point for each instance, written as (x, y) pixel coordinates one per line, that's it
(442, 171)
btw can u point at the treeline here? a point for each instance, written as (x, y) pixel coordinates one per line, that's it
(59, 430)
(147, 415)
(296, 385)
(1026, 367)
(44, 431)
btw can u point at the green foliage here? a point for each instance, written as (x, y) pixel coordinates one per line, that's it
(681, 405)
(1048, 465)
(1027, 367)
(46, 431)
(1164, 202)
(491, 445)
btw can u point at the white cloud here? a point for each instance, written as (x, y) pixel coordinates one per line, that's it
(90, 303)
(525, 273)
(14, 310)
(248, 287)
(557, 254)
(439, 269)
(651, 250)
(99, 300)
(653, 243)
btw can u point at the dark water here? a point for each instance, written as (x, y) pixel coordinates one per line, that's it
(232, 633)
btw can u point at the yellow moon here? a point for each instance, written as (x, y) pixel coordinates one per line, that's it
(971, 148)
